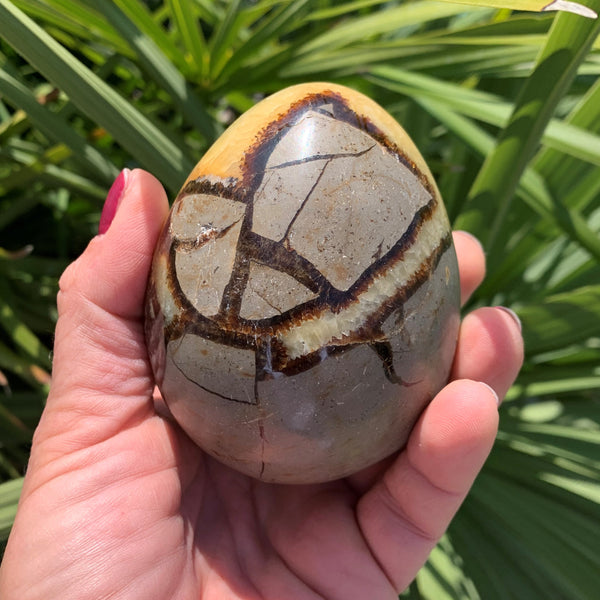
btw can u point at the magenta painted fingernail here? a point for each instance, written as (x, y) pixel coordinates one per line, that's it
(513, 314)
(112, 201)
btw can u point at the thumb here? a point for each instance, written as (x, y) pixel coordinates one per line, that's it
(100, 354)
(113, 270)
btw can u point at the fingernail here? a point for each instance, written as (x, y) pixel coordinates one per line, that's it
(513, 314)
(112, 201)
(493, 392)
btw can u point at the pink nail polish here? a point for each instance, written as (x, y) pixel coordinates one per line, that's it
(112, 201)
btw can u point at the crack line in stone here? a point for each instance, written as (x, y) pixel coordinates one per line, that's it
(327, 157)
(180, 369)
(312, 189)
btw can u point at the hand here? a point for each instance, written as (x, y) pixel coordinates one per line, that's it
(118, 503)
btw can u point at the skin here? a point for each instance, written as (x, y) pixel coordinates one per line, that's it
(118, 503)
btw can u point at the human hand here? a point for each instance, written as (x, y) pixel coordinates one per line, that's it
(118, 502)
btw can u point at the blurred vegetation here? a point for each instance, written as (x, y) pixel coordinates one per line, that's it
(505, 107)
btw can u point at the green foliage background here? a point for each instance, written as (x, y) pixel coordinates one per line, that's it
(505, 107)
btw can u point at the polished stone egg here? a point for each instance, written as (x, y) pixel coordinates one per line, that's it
(303, 305)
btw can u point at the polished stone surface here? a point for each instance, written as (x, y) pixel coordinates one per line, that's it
(303, 306)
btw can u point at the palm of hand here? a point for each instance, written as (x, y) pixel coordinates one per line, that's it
(118, 503)
(158, 519)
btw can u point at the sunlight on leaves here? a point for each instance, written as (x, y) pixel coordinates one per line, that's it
(534, 5)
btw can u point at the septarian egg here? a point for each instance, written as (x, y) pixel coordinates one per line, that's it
(303, 304)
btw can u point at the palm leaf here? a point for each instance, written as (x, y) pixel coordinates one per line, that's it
(535, 5)
(95, 98)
